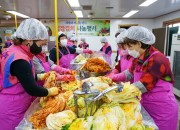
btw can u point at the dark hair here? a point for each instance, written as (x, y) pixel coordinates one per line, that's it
(62, 35)
(134, 42)
(18, 41)
(116, 34)
(122, 44)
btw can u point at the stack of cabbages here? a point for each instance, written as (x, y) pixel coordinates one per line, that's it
(119, 111)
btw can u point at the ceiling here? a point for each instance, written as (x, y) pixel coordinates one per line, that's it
(45, 8)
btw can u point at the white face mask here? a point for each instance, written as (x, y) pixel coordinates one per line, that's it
(124, 52)
(64, 42)
(44, 48)
(134, 53)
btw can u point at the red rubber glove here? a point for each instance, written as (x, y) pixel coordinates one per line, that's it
(65, 77)
(117, 77)
(87, 51)
(62, 70)
(114, 71)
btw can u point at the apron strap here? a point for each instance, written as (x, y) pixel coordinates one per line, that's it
(68, 50)
(151, 56)
(39, 60)
(104, 48)
(60, 52)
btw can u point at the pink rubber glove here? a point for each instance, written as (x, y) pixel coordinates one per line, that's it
(114, 71)
(87, 51)
(65, 77)
(117, 77)
(62, 70)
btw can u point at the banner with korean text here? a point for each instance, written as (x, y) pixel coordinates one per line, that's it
(85, 27)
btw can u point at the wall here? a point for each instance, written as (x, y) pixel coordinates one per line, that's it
(158, 22)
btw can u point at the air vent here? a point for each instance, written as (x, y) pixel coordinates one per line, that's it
(87, 7)
(109, 7)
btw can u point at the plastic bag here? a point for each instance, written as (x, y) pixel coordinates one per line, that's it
(74, 65)
(102, 56)
(25, 124)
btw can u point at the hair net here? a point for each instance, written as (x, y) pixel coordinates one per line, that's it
(83, 39)
(120, 30)
(141, 34)
(121, 36)
(103, 40)
(74, 39)
(32, 29)
(70, 34)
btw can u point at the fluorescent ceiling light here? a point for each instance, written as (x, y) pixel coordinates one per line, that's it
(129, 14)
(18, 14)
(147, 2)
(78, 13)
(74, 3)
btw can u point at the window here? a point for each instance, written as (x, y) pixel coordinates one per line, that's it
(176, 24)
(172, 23)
